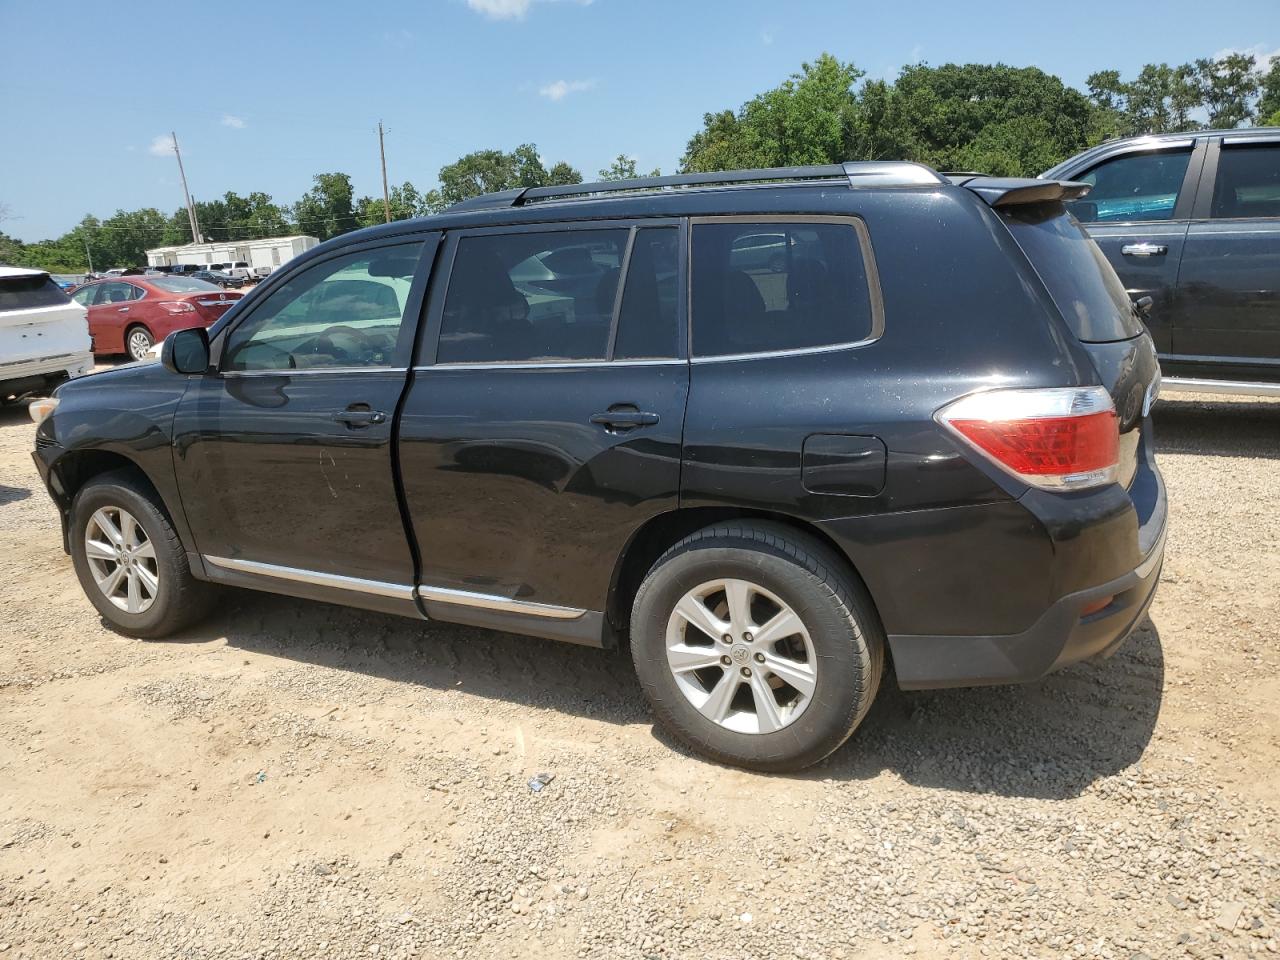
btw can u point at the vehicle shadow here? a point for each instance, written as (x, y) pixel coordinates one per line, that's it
(12, 494)
(1218, 428)
(1051, 739)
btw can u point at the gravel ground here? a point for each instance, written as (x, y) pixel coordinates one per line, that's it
(297, 780)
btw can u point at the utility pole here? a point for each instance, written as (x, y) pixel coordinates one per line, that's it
(386, 197)
(87, 255)
(191, 210)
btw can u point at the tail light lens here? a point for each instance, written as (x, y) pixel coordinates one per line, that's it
(177, 306)
(1060, 438)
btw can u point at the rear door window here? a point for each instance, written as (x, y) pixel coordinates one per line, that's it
(24, 293)
(760, 287)
(532, 297)
(647, 320)
(1077, 274)
(1248, 183)
(1133, 187)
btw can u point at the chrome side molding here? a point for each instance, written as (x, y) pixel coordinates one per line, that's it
(489, 601)
(397, 591)
(1220, 388)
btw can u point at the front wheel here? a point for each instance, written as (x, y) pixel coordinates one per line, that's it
(756, 646)
(130, 561)
(138, 343)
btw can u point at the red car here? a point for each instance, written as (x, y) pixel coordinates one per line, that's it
(130, 314)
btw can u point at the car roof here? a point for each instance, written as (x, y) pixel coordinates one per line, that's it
(6, 272)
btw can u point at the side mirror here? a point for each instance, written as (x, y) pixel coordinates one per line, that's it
(186, 351)
(1143, 306)
(1086, 211)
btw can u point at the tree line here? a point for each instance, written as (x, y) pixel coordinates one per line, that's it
(1002, 120)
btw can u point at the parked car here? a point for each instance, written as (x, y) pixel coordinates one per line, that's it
(239, 269)
(1192, 220)
(44, 339)
(130, 314)
(65, 281)
(218, 278)
(925, 437)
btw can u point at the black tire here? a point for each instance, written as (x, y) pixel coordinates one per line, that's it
(830, 600)
(139, 333)
(180, 599)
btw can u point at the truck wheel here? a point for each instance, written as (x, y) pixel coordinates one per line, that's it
(129, 560)
(755, 646)
(138, 342)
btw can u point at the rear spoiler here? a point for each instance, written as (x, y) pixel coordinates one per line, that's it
(1007, 191)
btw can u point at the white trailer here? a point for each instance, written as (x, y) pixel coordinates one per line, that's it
(263, 255)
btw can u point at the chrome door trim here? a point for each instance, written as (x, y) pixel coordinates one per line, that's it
(489, 601)
(308, 371)
(378, 588)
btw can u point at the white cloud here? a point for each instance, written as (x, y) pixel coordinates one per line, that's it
(560, 89)
(229, 120)
(1262, 57)
(161, 145)
(512, 9)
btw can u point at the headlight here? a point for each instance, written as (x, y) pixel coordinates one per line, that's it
(41, 410)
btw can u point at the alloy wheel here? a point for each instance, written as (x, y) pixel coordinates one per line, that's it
(741, 656)
(139, 344)
(122, 559)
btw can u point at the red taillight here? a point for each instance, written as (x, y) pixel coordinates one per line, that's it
(177, 306)
(1060, 438)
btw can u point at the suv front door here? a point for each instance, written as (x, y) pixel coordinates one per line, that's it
(1138, 213)
(543, 425)
(283, 451)
(1227, 320)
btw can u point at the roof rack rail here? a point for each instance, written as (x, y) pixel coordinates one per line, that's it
(853, 174)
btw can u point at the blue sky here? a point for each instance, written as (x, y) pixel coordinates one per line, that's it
(263, 95)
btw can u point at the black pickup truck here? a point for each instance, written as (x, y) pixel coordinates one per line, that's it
(1192, 220)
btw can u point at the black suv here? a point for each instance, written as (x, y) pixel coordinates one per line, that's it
(772, 426)
(1192, 220)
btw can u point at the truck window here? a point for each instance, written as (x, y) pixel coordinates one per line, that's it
(1248, 183)
(25, 292)
(1133, 187)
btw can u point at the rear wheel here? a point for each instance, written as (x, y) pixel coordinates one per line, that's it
(756, 646)
(138, 342)
(129, 560)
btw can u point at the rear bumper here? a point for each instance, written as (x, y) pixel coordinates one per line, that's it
(60, 366)
(1062, 636)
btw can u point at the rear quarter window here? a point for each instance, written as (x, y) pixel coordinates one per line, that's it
(1077, 274)
(23, 293)
(771, 286)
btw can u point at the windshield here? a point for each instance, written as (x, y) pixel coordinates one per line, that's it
(181, 284)
(1075, 271)
(34, 290)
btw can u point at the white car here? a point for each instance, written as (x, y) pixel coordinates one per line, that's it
(44, 335)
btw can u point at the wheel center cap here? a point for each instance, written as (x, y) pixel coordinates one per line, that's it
(740, 653)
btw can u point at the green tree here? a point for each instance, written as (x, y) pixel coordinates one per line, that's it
(327, 209)
(809, 118)
(488, 171)
(1228, 87)
(1269, 101)
(405, 202)
(624, 168)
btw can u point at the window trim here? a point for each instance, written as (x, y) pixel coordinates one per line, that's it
(426, 357)
(1203, 212)
(874, 292)
(1188, 192)
(428, 242)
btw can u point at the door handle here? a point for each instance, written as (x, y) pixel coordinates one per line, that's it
(624, 418)
(122, 309)
(360, 417)
(1144, 249)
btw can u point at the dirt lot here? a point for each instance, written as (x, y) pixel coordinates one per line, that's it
(297, 780)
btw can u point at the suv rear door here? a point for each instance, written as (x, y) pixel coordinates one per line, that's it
(1228, 302)
(1138, 213)
(543, 423)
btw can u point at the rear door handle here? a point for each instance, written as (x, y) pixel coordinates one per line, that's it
(360, 418)
(122, 309)
(624, 418)
(1144, 249)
